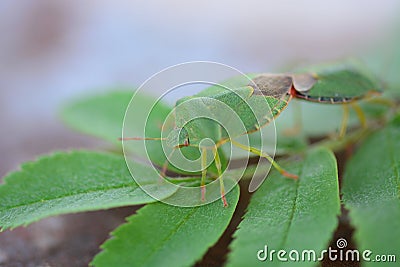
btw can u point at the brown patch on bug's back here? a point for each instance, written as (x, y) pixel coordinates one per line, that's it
(275, 85)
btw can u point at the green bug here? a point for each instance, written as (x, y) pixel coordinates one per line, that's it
(333, 84)
(256, 105)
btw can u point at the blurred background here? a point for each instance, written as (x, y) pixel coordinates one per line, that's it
(54, 51)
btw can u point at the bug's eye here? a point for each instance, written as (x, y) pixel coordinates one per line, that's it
(186, 142)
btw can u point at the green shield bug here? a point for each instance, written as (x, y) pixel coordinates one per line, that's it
(268, 95)
(255, 105)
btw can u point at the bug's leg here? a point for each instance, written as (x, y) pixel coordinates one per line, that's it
(268, 157)
(221, 181)
(297, 123)
(381, 101)
(360, 114)
(345, 119)
(203, 173)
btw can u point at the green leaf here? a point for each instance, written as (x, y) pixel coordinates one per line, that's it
(102, 116)
(163, 235)
(70, 182)
(371, 192)
(287, 214)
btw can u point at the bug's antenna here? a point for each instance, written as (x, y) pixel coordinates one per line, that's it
(140, 138)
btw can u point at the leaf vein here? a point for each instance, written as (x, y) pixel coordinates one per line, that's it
(293, 211)
(171, 233)
(67, 195)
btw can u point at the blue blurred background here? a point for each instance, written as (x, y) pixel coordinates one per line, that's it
(54, 51)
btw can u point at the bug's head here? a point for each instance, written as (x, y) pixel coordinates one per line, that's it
(178, 138)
